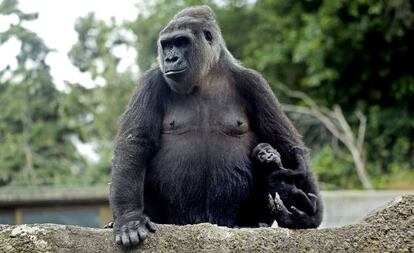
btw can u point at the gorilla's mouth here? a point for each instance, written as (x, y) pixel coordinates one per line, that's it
(174, 72)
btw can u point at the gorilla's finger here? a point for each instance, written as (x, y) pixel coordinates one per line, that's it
(151, 226)
(271, 204)
(133, 236)
(300, 193)
(125, 239)
(143, 233)
(282, 214)
(109, 225)
(314, 202)
(297, 211)
(280, 206)
(118, 239)
(313, 196)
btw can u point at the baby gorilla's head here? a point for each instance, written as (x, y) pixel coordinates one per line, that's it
(265, 153)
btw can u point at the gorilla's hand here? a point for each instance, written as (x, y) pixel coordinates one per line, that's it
(132, 228)
(293, 217)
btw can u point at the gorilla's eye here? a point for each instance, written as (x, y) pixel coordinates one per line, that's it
(181, 42)
(208, 36)
(165, 44)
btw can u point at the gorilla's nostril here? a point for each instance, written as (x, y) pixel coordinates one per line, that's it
(172, 59)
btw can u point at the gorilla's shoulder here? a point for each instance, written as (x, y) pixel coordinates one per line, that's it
(152, 78)
(153, 74)
(246, 75)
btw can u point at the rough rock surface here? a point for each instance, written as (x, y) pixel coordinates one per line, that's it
(389, 229)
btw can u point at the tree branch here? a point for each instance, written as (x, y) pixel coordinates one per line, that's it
(337, 125)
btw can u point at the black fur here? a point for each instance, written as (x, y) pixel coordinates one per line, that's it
(283, 181)
(182, 155)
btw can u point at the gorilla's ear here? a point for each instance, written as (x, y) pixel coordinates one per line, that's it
(208, 36)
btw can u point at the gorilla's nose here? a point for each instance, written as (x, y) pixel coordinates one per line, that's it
(171, 59)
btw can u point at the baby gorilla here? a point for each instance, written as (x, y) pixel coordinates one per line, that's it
(281, 181)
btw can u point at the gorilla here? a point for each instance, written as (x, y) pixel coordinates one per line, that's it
(183, 149)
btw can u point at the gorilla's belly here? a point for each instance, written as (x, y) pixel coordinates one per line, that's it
(201, 177)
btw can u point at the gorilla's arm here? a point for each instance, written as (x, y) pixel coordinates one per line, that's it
(138, 138)
(269, 121)
(272, 126)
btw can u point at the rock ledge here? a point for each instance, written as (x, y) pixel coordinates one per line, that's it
(389, 229)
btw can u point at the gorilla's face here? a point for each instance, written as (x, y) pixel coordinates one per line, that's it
(266, 154)
(186, 57)
(175, 51)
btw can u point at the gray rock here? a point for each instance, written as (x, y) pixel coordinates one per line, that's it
(389, 229)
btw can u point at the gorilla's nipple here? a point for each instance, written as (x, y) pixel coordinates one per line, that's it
(239, 123)
(172, 124)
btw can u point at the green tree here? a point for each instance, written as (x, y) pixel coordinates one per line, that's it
(357, 54)
(353, 53)
(95, 53)
(35, 141)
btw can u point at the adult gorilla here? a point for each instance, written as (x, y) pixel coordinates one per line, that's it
(182, 155)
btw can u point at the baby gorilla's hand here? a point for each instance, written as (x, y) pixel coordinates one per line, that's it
(130, 231)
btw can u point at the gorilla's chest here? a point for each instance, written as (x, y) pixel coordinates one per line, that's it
(220, 112)
(202, 169)
(206, 129)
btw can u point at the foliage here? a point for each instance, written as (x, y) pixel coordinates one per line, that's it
(95, 53)
(35, 140)
(353, 53)
(340, 172)
(358, 54)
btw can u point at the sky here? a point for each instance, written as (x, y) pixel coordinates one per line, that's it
(55, 26)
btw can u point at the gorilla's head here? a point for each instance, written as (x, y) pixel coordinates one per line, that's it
(189, 47)
(266, 154)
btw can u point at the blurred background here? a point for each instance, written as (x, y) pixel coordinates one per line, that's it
(343, 70)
